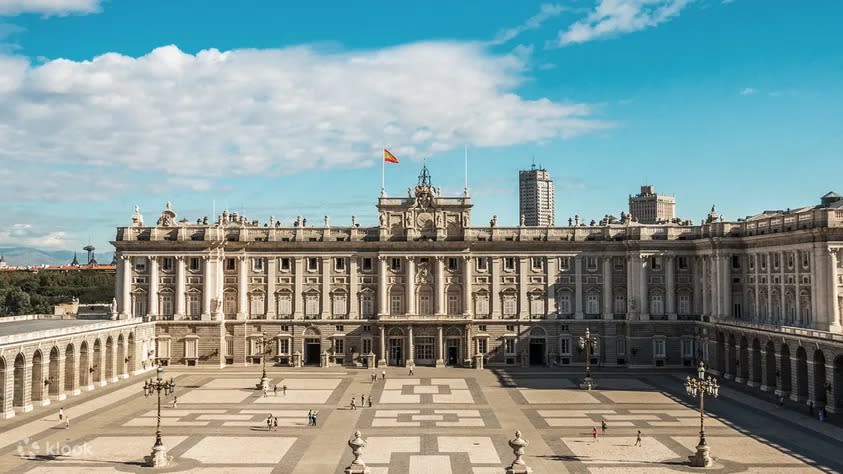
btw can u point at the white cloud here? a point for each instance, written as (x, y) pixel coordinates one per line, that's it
(614, 17)
(250, 112)
(49, 7)
(546, 12)
(26, 235)
(748, 91)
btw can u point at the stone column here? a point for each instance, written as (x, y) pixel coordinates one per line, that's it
(765, 379)
(298, 289)
(643, 264)
(468, 346)
(495, 297)
(727, 367)
(669, 287)
(74, 372)
(271, 280)
(439, 297)
(523, 279)
(466, 285)
(7, 391)
(782, 279)
(353, 289)
(57, 393)
(125, 292)
(411, 286)
(726, 285)
(440, 362)
(607, 287)
(207, 288)
(411, 347)
(578, 313)
(794, 378)
(797, 264)
(382, 360)
(152, 306)
(632, 275)
(551, 275)
(325, 289)
(834, 290)
(383, 282)
(180, 287)
(242, 287)
(706, 300)
(757, 294)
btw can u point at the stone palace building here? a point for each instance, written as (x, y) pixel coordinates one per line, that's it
(759, 299)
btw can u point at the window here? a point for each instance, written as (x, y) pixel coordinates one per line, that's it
(424, 348)
(284, 264)
(563, 303)
(591, 263)
(193, 264)
(776, 261)
(684, 303)
(481, 327)
(687, 348)
(395, 264)
(339, 328)
(340, 305)
(190, 348)
(620, 346)
(285, 304)
(285, 328)
(367, 305)
(482, 264)
(790, 260)
(537, 263)
(257, 304)
(736, 262)
(659, 348)
(312, 264)
(167, 304)
(162, 348)
(230, 264)
(751, 261)
(367, 346)
(454, 304)
(806, 259)
(509, 264)
(510, 306)
(482, 345)
(167, 264)
(229, 347)
(564, 263)
(366, 264)
(311, 305)
(763, 258)
(481, 304)
(283, 346)
(656, 263)
(194, 305)
(536, 305)
(592, 303)
(565, 345)
(395, 305)
(510, 327)
(682, 263)
(140, 264)
(257, 264)
(453, 264)
(425, 304)
(620, 304)
(339, 264)
(619, 263)
(656, 304)
(367, 328)
(509, 345)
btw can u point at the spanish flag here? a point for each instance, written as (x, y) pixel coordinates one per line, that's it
(388, 157)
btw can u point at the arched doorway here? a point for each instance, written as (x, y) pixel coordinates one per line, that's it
(732, 363)
(785, 380)
(132, 354)
(453, 346)
(395, 347)
(744, 357)
(538, 346)
(770, 365)
(801, 373)
(55, 374)
(819, 378)
(37, 393)
(838, 384)
(121, 356)
(70, 372)
(756, 362)
(97, 363)
(109, 359)
(312, 346)
(18, 395)
(721, 353)
(84, 365)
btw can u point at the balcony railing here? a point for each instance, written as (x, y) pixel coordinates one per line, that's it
(796, 331)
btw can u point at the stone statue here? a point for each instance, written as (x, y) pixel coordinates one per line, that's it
(438, 219)
(326, 221)
(577, 219)
(114, 305)
(408, 220)
(523, 220)
(465, 220)
(494, 221)
(570, 222)
(382, 219)
(297, 223)
(137, 218)
(354, 221)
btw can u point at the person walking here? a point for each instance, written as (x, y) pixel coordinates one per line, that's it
(284, 390)
(61, 414)
(383, 375)
(362, 400)
(175, 401)
(309, 417)
(411, 369)
(269, 422)
(781, 400)
(66, 422)
(370, 400)
(373, 376)
(275, 422)
(638, 439)
(315, 413)
(264, 391)
(594, 433)
(275, 390)
(353, 403)
(603, 426)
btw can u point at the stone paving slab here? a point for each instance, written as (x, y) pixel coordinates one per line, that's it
(539, 397)
(249, 449)
(619, 450)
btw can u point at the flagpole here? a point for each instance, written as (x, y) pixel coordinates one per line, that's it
(383, 181)
(465, 189)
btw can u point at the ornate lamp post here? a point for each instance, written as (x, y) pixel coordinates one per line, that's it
(701, 386)
(159, 457)
(263, 342)
(587, 342)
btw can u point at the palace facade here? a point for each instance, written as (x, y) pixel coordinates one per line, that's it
(426, 286)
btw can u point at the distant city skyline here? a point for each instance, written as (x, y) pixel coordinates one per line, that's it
(283, 109)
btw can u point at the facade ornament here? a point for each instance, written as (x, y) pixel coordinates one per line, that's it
(382, 219)
(168, 216)
(494, 221)
(523, 220)
(577, 219)
(438, 219)
(408, 220)
(137, 217)
(304, 222)
(271, 221)
(466, 220)
(114, 305)
(570, 222)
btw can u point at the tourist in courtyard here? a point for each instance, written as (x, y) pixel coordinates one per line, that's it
(315, 413)
(275, 423)
(781, 400)
(66, 422)
(603, 426)
(309, 417)
(275, 390)
(353, 403)
(284, 390)
(269, 422)
(264, 391)
(638, 439)
(411, 369)
(61, 414)
(370, 400)
(175, 401)
(383, 375)
(374, 376)
(594, 433)
(362, 400)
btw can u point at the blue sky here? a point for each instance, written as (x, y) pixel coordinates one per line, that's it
(276, 109)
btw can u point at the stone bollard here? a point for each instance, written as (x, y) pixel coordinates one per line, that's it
(357, 465)
(518, 466)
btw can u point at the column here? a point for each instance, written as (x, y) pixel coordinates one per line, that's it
(383, 305)
(769, 259)
(669, 287)
(523, 278)
(242, 287)
(643, 263)
(834, 290)
(74, 372)
(757, 294)
(783, 306)
(727, 366)
(271, 280)
(57, 393)
(353, 289)
(696, 303)
(298, 288)
(495, 297)
(607, 287)
(439, 297)
(631, 285)
(382, 360)
(779, 382)
(439, 347)
(411, 286)
(325, 289)
(578, 313)
(152, 306)
(27, 386)
(552, 272)
(466, 285)
(797, 264)
(726, 285)
(180, 290)
(207, 288)
(126, 290)
(468, 346)
(706, 301)
(411, 347)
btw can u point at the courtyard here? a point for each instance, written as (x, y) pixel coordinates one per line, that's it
(435, 421)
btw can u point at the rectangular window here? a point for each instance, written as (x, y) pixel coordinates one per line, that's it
(454, 304)
(763, 257)
(453, 264)
(167, 264)
(229, 347)
(339, 264)
(190, 348)
(482, 263)
(340, 305)
(563, 303)
(619, 263)
(682, 263)
(257, 264)
(656, 263)
(684, 304)
(537, 263)
(257, 304)
(194, 264)
(656, 304)
(395, 264)
(592, 303)
(425, 304)
(806, 259)
(367, 305)
(790, 259)
(424, 348)
(285, 304)
(776, 261)
(509, 345)
(481, 327)
(537, 305)
(366, 264)
(367, 328)
(162, 349)
(285, 328)
(620, 346)
(736, 262)
(565, 345)
(311, 305)
(283, 346)
(659, 348)
(751, 261)
(591, 263)
(339, 328)
(367, 346)
(564, 263)
(620, 304)
(230, 264)
(312, 264)
(284, 264)
(510, 306)
(167, 304)
(510, 327)
(481, 305)
(395, 306)
(509, 264)
(140, 264)
(687, 348)
(482, 345)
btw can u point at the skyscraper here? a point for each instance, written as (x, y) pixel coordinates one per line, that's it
(536, 197)
(649, 207)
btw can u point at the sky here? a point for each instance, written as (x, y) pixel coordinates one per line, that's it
(279, 109)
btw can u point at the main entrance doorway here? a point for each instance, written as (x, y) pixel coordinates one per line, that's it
(396, 354)
(537, 352)
(312, 350)
(453, 351)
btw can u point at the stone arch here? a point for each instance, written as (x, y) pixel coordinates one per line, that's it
(70, 372)
(732, 363)
(453, 331)
(121, 355)
(19, 382)
(789, 307)
(396, 332)
(786, 381)
(801, 373)
(54, 372)
(837, 390)
(97, 365)
(132, 364)
(819, 378)
(37, 392)
(311, 331)
(538, 331)
(744, 359)
(756, 361)
(84, 365)
(109, 358)
(770, 365)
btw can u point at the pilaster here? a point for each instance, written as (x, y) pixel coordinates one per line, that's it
(578, 312)
(325, 289)
(207, 288)
(439, 297)
(410, 286)
(466, 285)
(495, 297)
(271, 302)
(298, 289)
(643, 264)
(607, 287)
(152, 306)
(411, 347)
(180, 288)
(670, 287)
(353, 289)
(126, 309)
(242, 287)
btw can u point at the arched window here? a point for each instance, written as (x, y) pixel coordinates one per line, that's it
(620, 303)
(536, 304)
(311, 304)
(454, 301)
(510, 304)
(194, 304)
(166, 304)
(684, 303)
(367, 303)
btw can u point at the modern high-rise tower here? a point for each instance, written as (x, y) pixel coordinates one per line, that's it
(650, 207)
(536, 197)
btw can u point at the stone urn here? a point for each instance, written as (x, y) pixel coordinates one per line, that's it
(518, 466)
(357, 465)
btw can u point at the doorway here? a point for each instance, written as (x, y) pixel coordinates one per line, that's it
(537, 352)
(312, 351)
(453, 352)
(396, 355)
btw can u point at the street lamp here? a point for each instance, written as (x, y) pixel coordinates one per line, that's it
(159, 457)
(263, 341)
(701, 386)
(587, 342)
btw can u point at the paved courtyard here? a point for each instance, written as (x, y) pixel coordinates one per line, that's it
(437, 421)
